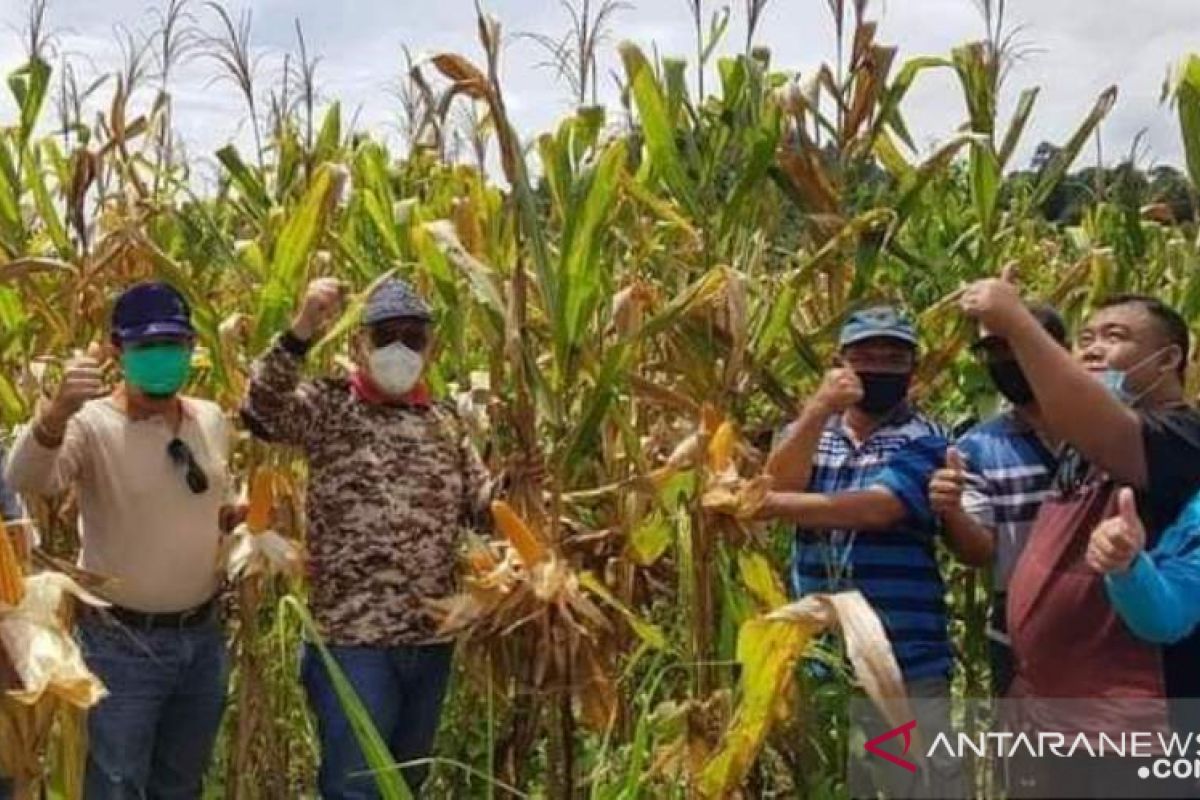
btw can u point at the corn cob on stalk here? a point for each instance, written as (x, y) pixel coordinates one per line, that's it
(12, 578)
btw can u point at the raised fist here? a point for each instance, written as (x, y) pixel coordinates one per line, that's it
(322, 304)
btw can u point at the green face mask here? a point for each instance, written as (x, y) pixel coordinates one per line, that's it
(159, 370)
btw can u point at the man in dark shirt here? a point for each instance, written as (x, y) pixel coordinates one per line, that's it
(1119, 406)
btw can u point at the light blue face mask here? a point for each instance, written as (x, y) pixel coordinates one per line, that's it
(1116, 381)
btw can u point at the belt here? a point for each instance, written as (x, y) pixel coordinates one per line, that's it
(145, 620)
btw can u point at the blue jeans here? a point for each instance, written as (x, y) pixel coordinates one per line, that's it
(153, 735)
(401, 688)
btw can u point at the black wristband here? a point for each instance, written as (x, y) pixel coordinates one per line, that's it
(294, 344)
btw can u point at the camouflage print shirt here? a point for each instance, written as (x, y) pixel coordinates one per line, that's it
(389, 490)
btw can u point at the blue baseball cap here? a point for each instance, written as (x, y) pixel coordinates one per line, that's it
(880, 322)
(151, 310)
(395, 299)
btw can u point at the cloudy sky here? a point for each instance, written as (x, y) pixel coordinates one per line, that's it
(1078, 47)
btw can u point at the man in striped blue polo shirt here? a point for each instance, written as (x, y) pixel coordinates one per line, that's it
(852, 472)
(995, 481)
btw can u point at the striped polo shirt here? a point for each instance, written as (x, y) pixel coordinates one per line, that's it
(1009, 474)
(896, 570)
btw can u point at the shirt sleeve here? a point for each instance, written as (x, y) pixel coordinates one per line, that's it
(907, 476)
(278, 406)
(1159, 596)
(10, 505)
(1171, 444)
(35, 469)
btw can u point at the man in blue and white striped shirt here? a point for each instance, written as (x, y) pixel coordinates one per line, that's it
(852, 473)
(995, 481)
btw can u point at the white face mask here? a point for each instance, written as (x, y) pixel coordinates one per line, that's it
(395, 368)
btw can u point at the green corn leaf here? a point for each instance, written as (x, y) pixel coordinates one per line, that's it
(28, 85)
(330, 136)
(12, 227)
(1187, 98)
(889, 105)
(254, 193)
(582, 277)
(1065, 157)
(35, 183)
(650, 633)
(289, 260)
(984, 169)
(1017, 126)
(379, 758)
(664, 159)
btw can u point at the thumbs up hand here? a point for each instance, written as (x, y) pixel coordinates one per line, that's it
(995, 302)
(1116, 541)
(946, 485)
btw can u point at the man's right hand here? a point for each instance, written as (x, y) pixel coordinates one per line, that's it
(839, 390)
(82, 381)
(322, 304)
(946, 485)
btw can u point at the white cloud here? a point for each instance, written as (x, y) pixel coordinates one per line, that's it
(1081, 49)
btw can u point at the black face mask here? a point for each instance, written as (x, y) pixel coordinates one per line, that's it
(1011, 382)
(883, 391)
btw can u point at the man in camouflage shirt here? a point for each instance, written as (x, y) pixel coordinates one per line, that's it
(392, 481)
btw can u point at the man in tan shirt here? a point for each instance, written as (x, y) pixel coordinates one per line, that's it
(149, 467)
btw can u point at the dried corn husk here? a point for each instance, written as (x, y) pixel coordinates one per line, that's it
(539, 619)
(44, 674)
(253, 548)
(768, 650)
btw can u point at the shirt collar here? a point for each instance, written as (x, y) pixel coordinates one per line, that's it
(366, 391)
(120, 400)
(899, 416)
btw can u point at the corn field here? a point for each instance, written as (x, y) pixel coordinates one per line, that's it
(636, 299)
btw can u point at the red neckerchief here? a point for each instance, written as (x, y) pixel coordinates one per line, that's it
(365, 390)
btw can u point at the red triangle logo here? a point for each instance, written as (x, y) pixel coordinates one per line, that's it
(904, 730)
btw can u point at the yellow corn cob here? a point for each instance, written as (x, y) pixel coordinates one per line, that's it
(524, 541)
(720, 447)
(262, 500)
(12, 579)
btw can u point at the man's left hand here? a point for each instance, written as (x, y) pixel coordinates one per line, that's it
(1117, 541)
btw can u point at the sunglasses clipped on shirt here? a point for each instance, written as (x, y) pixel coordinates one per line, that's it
(181, 456)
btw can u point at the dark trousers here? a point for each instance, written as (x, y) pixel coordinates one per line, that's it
(1000, 654)
(402, 690)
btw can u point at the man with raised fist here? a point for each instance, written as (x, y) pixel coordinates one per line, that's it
(995, 480)
(852, 473)
(393, 480)
(149, 468)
